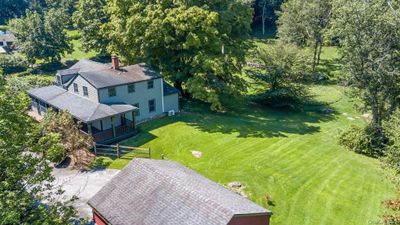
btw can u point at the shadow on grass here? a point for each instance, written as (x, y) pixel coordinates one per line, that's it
(247, 119)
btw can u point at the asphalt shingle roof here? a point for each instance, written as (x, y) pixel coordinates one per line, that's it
(102, 75)
(80, 107)
(159, 192)
(169, 90)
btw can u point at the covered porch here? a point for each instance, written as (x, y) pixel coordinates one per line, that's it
(105, 123)
(111, 129)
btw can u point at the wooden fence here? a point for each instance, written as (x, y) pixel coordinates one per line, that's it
(119, 150)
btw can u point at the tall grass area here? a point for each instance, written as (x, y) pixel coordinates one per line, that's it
(293, 157)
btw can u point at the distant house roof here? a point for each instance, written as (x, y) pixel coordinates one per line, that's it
(81, 108)
(102, 75)
(159, 192)
(6, 36)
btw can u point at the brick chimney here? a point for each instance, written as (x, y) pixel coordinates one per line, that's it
(115, 62)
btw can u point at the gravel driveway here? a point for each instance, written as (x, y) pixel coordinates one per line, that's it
(82, 184)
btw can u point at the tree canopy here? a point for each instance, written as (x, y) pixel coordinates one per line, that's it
(198, 45)
(369, 38)
(89, 18)
(26, 195)
(283, 68)
(12, 9)
(42, 36)
(304, 22)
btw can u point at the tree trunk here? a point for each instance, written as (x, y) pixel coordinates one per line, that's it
(376, 117)
(178, 85)
(314, 64)
(319, 53)
(263, 20)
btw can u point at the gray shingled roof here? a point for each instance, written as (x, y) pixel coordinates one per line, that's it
(89, 65)
(81, 108)
(102, 75)
(67, 72)
(169, 90)
(159, 192)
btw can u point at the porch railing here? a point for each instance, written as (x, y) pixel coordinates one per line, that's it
(103, 135)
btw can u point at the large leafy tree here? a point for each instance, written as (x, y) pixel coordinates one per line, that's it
(89, 18)
(42, 35)
(369, 37)
(282, 65)
(282, 68)
(26, 196)
(304, 22)
(199, 45)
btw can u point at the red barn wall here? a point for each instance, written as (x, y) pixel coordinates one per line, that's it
(98, 219)
(250, 220)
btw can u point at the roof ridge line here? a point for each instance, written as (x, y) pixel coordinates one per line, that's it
(94, 111)
(156, 169)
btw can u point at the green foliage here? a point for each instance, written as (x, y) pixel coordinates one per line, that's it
(68, 6)
(72, 139)
(369, 36)
(13, 63)
(26, 195)
(89, 18)
(51, 147)
(291, 23)
(11, 9)
(392, 130)
(363, 140)
(305, 24)
(16, 84)
(282, 68)
(100, 163)
(198, 45)
(41, 36)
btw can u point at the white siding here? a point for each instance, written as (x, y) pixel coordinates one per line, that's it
(171, 102)
(82, 82)
(142, 95)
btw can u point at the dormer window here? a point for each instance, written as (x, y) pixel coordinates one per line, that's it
(76, 89)
(131, 88)
(112, 92)
(150, 84)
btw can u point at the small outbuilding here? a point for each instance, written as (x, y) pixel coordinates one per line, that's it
(161, 192)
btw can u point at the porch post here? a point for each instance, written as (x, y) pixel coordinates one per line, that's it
(37, 106)
(113, 126)
(133, 120)
(89, 125)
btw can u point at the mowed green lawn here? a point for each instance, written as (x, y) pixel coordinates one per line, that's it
(292, 156)
(77, 52)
